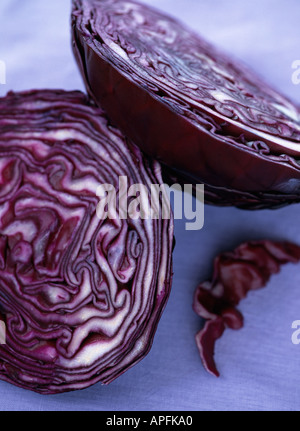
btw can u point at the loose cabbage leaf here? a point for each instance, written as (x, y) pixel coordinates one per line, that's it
(247, 268)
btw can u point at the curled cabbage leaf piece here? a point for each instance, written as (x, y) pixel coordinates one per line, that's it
(201, 113)
(249, 267)
(80, 296)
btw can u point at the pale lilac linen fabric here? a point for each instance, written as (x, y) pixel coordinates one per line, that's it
(259, 365)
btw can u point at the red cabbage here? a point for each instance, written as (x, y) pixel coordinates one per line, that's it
(80, 297)
(249, 267)
(199, 112)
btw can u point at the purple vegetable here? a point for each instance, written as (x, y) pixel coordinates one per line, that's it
(80, 297)
(249, 267)
(205, 116)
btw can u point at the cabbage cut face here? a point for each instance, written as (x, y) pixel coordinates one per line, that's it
(80, 297)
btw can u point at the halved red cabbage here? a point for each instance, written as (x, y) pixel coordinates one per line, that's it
(80, 297)
(188, 105)
(249, 267)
